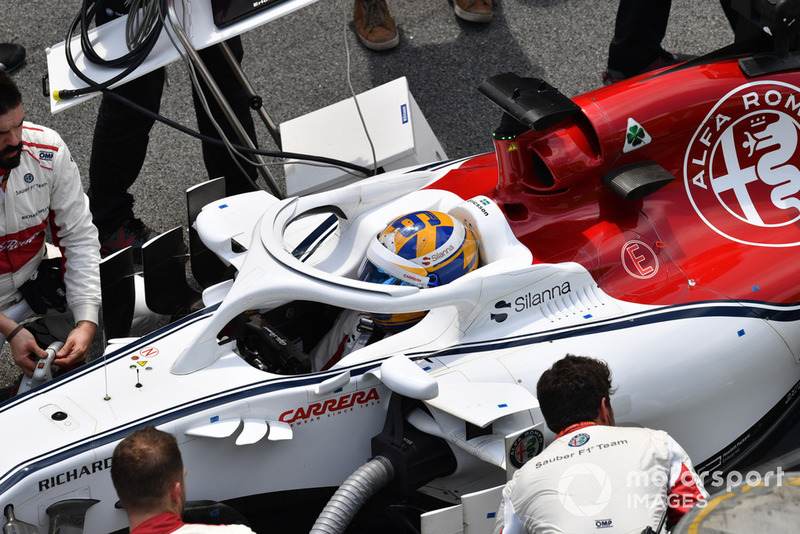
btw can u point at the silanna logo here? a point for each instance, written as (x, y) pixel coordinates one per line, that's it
(740, 170)
(530, 300)
(331, 407)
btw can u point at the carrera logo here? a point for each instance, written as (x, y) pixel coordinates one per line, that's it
(331, 407)
(741, 168)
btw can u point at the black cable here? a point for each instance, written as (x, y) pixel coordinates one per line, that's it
(131, 61)
(219, 142)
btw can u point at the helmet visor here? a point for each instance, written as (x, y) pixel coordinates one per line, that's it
(384, 267)
(370, 272)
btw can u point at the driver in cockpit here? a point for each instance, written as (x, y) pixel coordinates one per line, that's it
(422, 249)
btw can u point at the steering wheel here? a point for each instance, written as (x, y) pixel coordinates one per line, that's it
(265, 348)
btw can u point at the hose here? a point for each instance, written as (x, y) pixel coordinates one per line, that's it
(342, 507)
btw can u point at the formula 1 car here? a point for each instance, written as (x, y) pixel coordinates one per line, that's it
(652, 223)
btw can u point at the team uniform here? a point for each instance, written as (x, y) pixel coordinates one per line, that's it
(601, 478)
(167, 523)
(45, 191)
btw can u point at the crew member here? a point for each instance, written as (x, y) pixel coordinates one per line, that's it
(148, 474)
(41, 188)
(595, 475)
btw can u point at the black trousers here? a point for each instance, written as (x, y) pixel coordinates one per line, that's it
(640, 27)
(122, 134)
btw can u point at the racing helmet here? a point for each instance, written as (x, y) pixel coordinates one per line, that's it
(422, 249)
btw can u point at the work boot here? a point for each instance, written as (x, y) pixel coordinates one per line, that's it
(473, 10)
(374, 25)
(664, 59)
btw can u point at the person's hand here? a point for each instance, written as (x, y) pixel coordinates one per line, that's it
(23, 346)
(76, 348)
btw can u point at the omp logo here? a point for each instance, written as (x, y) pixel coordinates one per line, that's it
(603, 523)
(45, 156)
(740, 170)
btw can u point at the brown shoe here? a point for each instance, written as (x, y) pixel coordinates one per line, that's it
(473, 10)
(374, 25)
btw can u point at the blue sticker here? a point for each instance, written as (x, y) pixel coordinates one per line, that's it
(215, 419)
(740, 332)
(404, 113)
(222, 206)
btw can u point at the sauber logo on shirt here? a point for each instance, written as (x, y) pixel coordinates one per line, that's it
(331, 407)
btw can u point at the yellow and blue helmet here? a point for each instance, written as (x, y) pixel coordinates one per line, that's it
(423, 249)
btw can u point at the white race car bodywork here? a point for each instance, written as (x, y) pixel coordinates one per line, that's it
(482, 347)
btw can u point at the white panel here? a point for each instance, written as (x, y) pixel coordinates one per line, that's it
(217, 429)
(254, 430)
(443, 521)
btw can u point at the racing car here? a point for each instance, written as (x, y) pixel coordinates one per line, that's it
(652, 223)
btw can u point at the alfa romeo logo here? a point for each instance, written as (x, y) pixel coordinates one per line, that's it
(740, 169)
(525, 447)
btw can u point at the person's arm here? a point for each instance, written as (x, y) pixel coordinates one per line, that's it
(76, 236)
(685, 486)
(76, 348)
(22, 343)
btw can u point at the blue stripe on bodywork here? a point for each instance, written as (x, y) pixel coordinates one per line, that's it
(751, 309)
